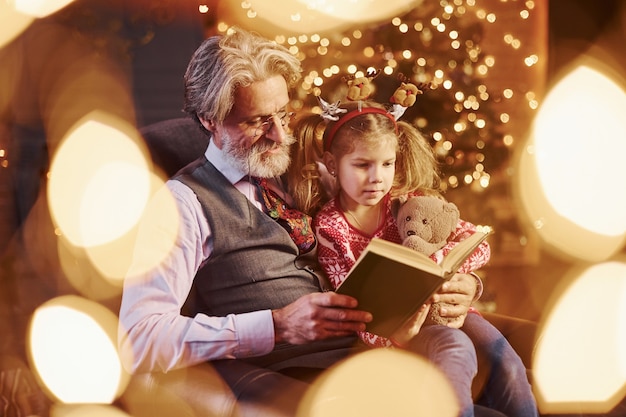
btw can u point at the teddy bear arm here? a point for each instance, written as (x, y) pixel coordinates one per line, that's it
(420, 245)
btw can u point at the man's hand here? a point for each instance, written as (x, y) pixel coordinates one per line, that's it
(318, 316)
(458, 293)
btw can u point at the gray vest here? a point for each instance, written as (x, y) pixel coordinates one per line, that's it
(254, 264)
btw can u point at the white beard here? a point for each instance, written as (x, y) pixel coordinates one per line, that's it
(254, 161)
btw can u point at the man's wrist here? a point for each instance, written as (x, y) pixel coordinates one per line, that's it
(479, 286)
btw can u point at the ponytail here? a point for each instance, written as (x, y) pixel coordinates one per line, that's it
(416, 165)
(305, 181)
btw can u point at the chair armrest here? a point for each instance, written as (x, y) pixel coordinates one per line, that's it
(190, 392)
(204, 390)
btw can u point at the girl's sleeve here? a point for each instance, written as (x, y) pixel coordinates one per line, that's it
(337, 257)
(476, 260)
(333, 248)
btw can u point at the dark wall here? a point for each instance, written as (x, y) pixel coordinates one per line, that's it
(574, 25)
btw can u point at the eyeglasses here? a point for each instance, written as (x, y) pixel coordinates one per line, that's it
(260, 126)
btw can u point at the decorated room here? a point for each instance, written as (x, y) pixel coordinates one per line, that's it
(521, 102)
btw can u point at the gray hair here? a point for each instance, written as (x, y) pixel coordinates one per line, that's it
(223, 63)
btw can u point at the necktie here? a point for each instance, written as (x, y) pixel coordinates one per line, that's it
(295, 222)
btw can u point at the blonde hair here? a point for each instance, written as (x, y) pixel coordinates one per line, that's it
(416, 165)
(303, 177)
(367, 128)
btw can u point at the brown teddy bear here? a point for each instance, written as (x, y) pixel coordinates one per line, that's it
(425, 223)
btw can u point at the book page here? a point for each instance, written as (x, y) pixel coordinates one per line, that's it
(455, 258)
(403, 254)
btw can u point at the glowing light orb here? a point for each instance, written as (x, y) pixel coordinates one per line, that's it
(39, 8)
(580, 361)
(571, 172)
(12, 23)
(99, 181)
(113, 259)
(73, 351)
(83, 274)
(309, 16)
(82, 410)
(157, 232)
(381, 382)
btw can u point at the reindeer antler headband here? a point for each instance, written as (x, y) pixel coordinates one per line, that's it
(359, 88)
(351, 115)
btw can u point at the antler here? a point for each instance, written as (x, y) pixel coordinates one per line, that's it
(424, 86)
(420, 86)
(330, 111)
(371, 74)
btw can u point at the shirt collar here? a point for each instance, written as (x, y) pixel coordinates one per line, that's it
(216, 156)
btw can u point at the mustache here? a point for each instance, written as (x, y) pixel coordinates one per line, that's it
(265, 144)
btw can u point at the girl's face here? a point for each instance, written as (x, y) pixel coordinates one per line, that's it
(366, 175)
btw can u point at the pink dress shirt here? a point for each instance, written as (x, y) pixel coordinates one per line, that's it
(153, 335)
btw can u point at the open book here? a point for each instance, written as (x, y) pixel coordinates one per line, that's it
(392, 281)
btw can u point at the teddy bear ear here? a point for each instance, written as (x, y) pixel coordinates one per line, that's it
(396, 203)
(452, 208)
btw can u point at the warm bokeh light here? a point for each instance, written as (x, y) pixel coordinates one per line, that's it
(97, 272)
(157, 232)
(12, 23)
(99, 181)
(113, 259)
(310, 16)
(571, 173)
(39, 8)
(580, 361)
(577, 130)
(380, 382)
(168, 395)
(83, 275)
(73, 351)
(82, 410)
(99, 212)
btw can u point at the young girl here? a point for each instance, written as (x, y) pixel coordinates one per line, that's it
(372, 159)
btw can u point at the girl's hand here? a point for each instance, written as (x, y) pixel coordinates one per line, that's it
(411, 328)
(457, 294)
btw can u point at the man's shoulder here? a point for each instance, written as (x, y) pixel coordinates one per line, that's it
(180, 191)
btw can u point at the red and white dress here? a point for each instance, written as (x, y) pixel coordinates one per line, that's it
(340, 244)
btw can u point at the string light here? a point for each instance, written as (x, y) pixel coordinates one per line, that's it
(443, 46)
